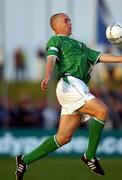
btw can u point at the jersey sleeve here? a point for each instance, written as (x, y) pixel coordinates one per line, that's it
(53, 47)
(92, 55)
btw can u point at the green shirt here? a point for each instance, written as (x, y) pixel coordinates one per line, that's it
(73, 57)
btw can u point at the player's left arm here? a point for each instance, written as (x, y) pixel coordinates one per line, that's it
(110, 58)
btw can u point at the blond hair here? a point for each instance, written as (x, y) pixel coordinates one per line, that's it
(53, 20)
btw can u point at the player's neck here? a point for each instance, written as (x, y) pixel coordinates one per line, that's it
(61, 35)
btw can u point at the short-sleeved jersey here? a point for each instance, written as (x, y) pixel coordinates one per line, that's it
(73, 57)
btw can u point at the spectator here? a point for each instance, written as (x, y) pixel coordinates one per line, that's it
(11, 114)
(1, 64)
(20, 64)
(50, 117)
(3, 113)
(39, 108)
(110, 98)
(25, 113)
(40, 62)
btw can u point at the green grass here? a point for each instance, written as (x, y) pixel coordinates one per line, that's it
(61, 169)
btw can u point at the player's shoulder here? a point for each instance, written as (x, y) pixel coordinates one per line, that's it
(77, 41)
(53, 38)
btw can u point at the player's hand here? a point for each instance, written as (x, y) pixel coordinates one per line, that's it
(44, 84)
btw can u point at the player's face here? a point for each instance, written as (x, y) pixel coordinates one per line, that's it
(64, 25)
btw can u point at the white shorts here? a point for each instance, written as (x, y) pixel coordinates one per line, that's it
(72, 96)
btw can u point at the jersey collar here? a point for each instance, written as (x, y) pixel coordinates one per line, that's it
(61, 35)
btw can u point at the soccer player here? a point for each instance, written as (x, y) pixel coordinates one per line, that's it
(74, 62)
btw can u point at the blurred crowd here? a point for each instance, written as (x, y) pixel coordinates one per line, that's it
(42, 114)
(113, 99)
(27, 113)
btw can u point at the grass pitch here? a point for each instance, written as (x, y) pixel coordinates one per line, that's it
(61, 169)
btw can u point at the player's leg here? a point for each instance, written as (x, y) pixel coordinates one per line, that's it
(96, 108)
(68, 124)
(49, 145)
(99, 113)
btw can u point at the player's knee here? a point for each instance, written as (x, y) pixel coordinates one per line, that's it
(102, 113)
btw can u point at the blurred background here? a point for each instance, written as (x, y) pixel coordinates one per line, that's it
(29, 115)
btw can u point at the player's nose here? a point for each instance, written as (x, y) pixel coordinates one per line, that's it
(70, 24)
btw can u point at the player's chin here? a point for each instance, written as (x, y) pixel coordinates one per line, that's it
(69, 33)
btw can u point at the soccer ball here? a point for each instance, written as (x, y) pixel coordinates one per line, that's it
(114, 33)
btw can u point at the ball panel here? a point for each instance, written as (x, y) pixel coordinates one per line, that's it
(114, 33)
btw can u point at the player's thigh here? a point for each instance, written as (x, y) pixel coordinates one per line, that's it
(68, 124)
(96, 108)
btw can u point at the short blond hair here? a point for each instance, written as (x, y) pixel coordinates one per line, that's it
(53, 20)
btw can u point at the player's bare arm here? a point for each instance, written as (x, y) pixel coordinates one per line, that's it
(110, 58)
(48, 71)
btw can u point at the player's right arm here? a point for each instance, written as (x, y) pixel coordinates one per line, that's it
(52, 50)
(51, 60)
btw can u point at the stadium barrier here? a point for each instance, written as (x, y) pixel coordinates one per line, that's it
(21, 141)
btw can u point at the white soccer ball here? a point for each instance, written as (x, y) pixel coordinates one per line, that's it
(114, 33)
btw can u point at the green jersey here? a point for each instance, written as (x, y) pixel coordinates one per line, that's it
(73, 57)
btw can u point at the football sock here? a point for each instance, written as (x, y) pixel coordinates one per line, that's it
(45, 148)
(95, 132)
